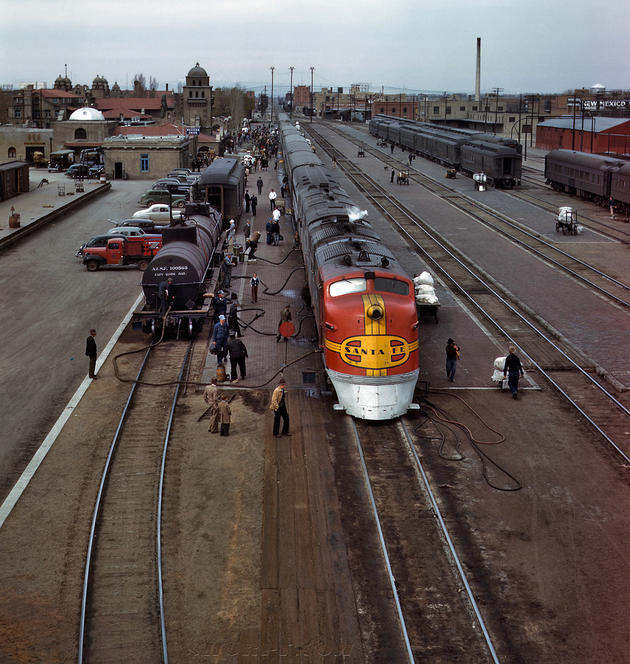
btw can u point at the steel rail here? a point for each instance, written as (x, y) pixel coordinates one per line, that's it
(419, 177)
(432, 235)
(381, 537)
(167, 436)
(451, 546)
(97, 508)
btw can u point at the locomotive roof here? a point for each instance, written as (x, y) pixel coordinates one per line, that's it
(223, 170)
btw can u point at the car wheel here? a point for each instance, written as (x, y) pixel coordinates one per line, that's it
(143, 265)
(92, 266)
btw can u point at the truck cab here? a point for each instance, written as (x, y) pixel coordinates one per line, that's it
(118, 250)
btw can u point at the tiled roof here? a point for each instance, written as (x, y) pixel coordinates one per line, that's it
(59, 94)
(134, 103)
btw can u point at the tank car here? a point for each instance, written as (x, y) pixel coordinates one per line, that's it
(185, 257)
(363, 302)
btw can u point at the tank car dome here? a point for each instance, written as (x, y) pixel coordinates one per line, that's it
(87, 113)
(197, 72)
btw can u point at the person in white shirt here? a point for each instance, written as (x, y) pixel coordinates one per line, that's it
(272, 199)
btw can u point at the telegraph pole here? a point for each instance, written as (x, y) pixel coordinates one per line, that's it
(272, 68)
(312, 109)
(291, 109)
(496, 107)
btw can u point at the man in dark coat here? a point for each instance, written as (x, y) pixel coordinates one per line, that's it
(90, 351)
(220, 336)
(513, 369)
(259, 184)
(219, 304)
(238, 352)
(247, 199)
(253, 202)
(166, 294)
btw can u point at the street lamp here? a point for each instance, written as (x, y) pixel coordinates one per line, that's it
(271, 121)
(312, 109)
(291, 98)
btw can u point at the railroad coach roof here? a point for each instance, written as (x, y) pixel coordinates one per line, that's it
(574, 158)
(222, 171)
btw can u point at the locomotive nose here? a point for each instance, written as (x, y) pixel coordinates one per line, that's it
(375, 312)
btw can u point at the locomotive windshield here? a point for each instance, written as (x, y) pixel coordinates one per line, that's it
(346, 286)
(387, 285)
(359, 285)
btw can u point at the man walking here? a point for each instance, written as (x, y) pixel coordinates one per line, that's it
(247, 198)
(254, 203)
(452, 355)
(238, 352)
(279, 407)
(513, 369)
(254, 282)
(259, 184)
(225, 415)
(90, 351)
(211, 397)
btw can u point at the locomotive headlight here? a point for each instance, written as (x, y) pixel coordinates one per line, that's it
(374, 312)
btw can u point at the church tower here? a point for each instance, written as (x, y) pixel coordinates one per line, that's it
(197, 99)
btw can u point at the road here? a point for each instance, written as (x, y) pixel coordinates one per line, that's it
(50, 302)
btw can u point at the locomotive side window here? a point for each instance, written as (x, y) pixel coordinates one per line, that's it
(391, 286)
(346, 286)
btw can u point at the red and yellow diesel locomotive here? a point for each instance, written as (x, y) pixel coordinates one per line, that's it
(363, 301)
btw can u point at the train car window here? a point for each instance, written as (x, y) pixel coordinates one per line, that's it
(347, 286)
(391, 286)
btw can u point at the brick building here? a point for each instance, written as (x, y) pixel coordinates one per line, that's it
(586, 134)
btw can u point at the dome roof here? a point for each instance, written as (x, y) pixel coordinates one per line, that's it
(197, 71)
(87, 113)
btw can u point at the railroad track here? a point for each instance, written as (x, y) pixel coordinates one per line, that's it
(438, 613)
(122, 609)
(557, 361)
(606, 285)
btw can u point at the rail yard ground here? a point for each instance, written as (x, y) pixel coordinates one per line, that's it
(270, 552)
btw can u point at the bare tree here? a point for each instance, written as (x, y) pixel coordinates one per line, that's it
(153, 83)
(139, 85)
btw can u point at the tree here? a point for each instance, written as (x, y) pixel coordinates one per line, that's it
(139, 85)
(153, 83)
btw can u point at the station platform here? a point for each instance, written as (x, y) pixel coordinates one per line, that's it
(49, 196)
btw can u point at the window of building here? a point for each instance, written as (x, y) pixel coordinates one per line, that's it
(190, 93)
(462, 108)
(474, 108)
(17, 114)
(436, 110)
(404, 109)
(448, 110)
(144, 163)
(80, 134)
(382, 110)
(12, 153)
(511, 119)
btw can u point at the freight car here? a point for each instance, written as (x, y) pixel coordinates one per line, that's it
(363, 301)
(185, 257)
(591, 176)
(499, 158)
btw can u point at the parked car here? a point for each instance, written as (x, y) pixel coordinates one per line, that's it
(78, 171)
(173, 186)
(183, 171)
(146, 225)
(162, 196)
(158, 212)
(95, 171)
(130, 231)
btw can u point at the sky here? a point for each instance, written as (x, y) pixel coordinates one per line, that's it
(409, 46)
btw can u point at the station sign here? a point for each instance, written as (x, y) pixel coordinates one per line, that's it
(192, 131)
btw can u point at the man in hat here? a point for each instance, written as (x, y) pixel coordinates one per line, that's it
(219, 304)
(452, 355)
(220, 336)
(238, 352)
(211, 397)
(90, 351)
(279, 407)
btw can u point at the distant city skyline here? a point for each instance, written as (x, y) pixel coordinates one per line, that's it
(412, 46)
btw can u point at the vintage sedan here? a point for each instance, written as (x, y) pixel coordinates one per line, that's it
(159, 213)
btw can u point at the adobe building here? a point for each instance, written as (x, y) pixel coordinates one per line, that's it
(86, 128)
(21, 143)
(145, 156)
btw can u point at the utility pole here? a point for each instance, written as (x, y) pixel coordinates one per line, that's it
(272, 68)
(312, 109)
(291, 98)
(496, 107)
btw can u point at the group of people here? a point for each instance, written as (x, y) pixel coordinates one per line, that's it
(512, 367)
(220, 411)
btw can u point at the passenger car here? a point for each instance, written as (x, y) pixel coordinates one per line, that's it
(158, 212)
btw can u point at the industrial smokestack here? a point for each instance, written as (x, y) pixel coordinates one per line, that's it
(478, 74)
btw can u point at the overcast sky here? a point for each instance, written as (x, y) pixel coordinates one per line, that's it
(402, 45)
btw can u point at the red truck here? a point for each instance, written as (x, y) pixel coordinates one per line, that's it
(114, 250)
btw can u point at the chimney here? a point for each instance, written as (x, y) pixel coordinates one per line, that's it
(167, 87)
(478, 74)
